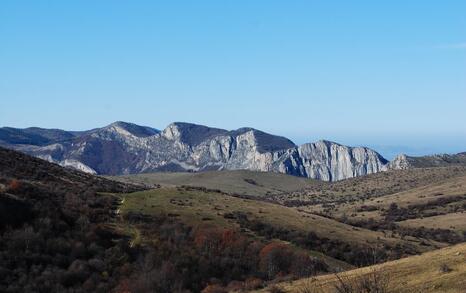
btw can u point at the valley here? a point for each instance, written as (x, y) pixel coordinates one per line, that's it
(248, 230)
(400, 212)
(232, 146)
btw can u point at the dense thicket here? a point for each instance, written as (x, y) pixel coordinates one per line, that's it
(55, 232)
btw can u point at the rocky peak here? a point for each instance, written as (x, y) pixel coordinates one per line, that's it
(171, 132)
(127, 128)
(191, 134)
(122, 148)
(264, 142)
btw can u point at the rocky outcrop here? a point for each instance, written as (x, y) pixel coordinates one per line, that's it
(124, 148)
(432, 161)
(400, 162)
(330, 161)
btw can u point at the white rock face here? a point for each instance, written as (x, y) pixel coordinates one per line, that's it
(171, 132)
(330, 161)
(123, 148)
(400, 162)
(78, 165)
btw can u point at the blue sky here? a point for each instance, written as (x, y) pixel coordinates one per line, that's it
(388, 74)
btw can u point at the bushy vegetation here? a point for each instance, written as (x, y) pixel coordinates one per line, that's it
(55, 229)
(58, 233)
(178, 258)
(394, 214)
(59, 242)
(350, 253)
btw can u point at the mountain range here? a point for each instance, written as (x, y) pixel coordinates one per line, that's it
(127, 148)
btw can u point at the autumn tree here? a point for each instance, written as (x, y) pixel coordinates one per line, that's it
(14, 185)
(274, 258)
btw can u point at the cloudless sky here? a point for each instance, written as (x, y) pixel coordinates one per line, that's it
(387, 74)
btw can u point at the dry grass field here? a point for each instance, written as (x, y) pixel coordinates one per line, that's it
(198, 207)
(453, 189)
(443, 270)
(371, 186)
(285, 188)
(240, 182)
(401, 212)
(453, 221)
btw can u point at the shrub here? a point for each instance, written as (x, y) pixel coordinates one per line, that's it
(274, 258)
(253, 283)
(14, 185)
(444, 268)
(375, 281)
(214, 289)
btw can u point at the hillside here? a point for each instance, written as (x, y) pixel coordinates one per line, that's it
(63, 231)
(15, 165)
(292, 190)
(67, 231)
(196, 206)
(370, 186)
(241, 182)
(442, 160)
(400, 203)
(443, 270)
(335, 218)
(56, 231)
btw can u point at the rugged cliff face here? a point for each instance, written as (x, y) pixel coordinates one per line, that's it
(330, 161)
(124, 148)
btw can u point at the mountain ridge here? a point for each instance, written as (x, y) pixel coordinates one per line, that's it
(127, 148)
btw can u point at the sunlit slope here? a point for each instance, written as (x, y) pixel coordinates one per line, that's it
(448, 196)
(443, 270)
(236, 182)
(198, 207)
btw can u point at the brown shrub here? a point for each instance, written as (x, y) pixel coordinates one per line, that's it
(14, 185)
(253, 283)
(214, 288)
(375, 281)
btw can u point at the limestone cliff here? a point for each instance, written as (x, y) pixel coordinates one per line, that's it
(124, 148)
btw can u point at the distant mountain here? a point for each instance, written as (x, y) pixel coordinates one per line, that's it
(33, 135)
(443, 160)
(126, 148)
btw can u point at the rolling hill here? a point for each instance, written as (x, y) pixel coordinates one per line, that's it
(67, 231)
(241, 182)
(56, 228)
(442, 270)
